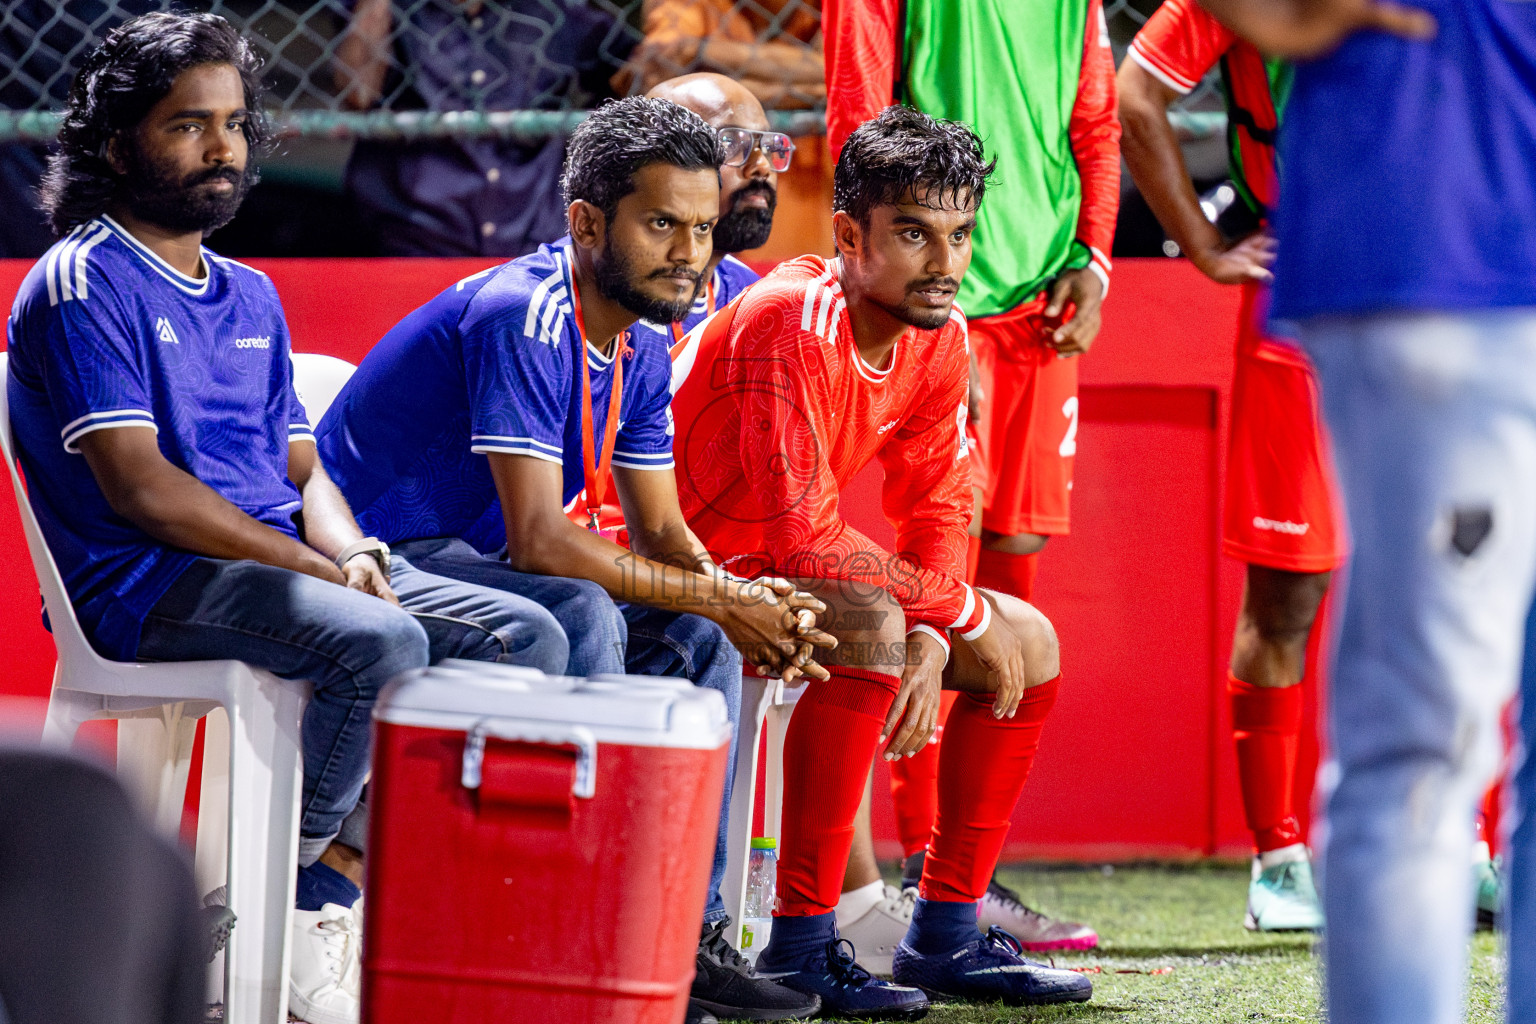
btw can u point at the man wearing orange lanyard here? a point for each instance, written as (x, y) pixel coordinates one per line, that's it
(481, 420)
(749, 184)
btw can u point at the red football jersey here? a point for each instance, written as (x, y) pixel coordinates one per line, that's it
(776, 411)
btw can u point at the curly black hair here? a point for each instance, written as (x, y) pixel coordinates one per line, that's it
(902, 154)
(115, 87)
(622, 136)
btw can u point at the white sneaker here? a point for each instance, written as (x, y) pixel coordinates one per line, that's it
(878, 931)
(325, 970)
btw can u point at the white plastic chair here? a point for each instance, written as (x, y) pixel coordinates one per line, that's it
(767, 703)
(157, 706)
(318, 380)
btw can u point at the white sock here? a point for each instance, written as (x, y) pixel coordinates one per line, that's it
(855, 904)
(1292, 854)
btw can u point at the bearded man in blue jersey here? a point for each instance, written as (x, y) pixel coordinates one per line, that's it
(173, 468)
(483, 423)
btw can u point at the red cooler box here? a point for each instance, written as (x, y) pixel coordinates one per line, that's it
(539, 846)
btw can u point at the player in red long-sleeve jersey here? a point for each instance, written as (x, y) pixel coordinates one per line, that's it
(1282, 517)
(1036, 78)
(780, 399)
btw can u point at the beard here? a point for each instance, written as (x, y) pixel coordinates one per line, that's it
(156, 194)
(617, 280)
(740, 229)
(924, 318)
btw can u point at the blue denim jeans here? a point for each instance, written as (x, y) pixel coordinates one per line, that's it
(347, 645)
(609, 637)
(1433, 418)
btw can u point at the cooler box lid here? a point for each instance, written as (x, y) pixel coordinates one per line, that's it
(646, 711)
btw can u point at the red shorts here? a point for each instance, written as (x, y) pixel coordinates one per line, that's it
(1028, 428)
(1283, 508)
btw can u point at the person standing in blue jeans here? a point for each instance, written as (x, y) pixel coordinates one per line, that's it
(1407, 238)
(484, 417)
(173, 468)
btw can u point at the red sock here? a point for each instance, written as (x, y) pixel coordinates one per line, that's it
(983, 763)
(915, 787)
(827, 751)
(972, 558)
(1266, 725)
(1008, 574)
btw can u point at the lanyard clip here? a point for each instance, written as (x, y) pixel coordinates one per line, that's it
(592, 523)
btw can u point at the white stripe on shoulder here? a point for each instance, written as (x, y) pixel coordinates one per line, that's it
(808, 310)
(82, 255)
(66, 262)
(50, 266)
(536, 303)
(554, 306)
(821, 312)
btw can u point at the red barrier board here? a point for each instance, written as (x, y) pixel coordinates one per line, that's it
(1137, 759)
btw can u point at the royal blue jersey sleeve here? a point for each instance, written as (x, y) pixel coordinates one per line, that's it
(517, 371)
(645, 426)
(94, 366)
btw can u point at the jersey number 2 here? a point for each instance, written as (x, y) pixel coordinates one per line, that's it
(1069, 443)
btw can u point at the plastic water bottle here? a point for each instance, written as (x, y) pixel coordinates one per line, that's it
(757, 917)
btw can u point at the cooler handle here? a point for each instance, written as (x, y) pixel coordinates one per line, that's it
(578, 736)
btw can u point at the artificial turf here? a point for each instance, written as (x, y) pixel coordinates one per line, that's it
(1187, 918)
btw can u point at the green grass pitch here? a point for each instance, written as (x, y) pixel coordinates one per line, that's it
(1188, 918)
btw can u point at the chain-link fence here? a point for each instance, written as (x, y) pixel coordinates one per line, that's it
(415, 68)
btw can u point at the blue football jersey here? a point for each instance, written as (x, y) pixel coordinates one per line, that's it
(104, 334)
(1406, 166)
(486, 366)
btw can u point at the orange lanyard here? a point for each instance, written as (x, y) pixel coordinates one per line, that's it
(709, 310)
(596, 469)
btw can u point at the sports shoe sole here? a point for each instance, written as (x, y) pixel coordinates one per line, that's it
(217, 923)
(727, 1012)
(1072, 997)
(1252, 924)
(300, 1008)
(1086, 942)
(917, 1014)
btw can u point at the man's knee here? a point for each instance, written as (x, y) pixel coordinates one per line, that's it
(1280, 607)
(1042, 651)
(1013, 543)
(389, 642)
(536, 640)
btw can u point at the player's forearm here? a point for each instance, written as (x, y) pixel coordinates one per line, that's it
(177, 509)
(560, 547)
(1152, 153)
(328, 522)
(842, 552)
(673, 544)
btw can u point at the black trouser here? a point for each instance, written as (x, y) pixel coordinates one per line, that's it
(98, 915)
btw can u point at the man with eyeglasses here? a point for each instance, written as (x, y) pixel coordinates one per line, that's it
(753, 159)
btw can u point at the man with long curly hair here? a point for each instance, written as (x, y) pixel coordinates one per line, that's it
(173, 468)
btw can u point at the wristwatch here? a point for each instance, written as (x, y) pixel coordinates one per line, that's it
(367, 546)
